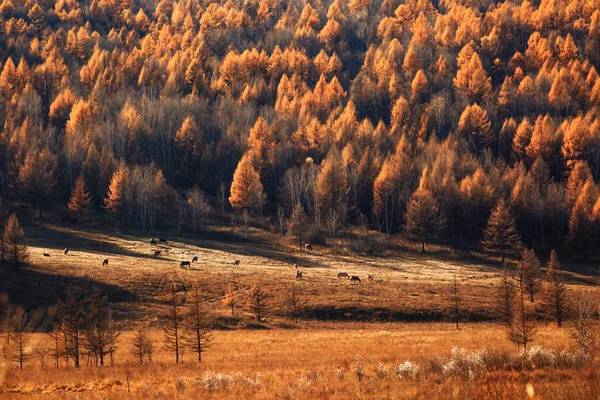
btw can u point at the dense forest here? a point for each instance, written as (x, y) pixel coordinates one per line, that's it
(416, 117)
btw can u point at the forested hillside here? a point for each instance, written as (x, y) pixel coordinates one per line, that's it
(409, 117)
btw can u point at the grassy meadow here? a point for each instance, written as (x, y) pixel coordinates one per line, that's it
(390, 338)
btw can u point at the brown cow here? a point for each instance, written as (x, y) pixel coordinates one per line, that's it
(355, 278)
(195, 259)
(308, 247)
(153, 242)
(369, 277)
(157, 254)
(184, 264)
(343, 275)
(298, 274)
(105, 262)
(236, 262)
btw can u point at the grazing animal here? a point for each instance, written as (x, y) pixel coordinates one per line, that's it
(67, 250)
(369, 277)
(195, 259)
(157, 253)
(298, 274)
(46, 255)
(184, 264)
(308, 247)
(343, 275)
(236, 262)
(105, 262)
(355, 278)
(162, 240)
(153, 242)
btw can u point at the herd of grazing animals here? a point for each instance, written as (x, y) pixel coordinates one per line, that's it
(187, 264)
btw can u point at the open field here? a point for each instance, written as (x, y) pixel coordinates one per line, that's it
(314, 358)
(316, 363)
(407, 285)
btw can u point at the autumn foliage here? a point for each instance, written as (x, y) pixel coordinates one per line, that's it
(146, 101)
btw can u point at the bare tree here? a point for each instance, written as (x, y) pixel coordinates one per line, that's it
(529, 273)
(293, 302)
(281, 220)
(199, 207)
(72, 316)
(230, 298)
(172, 323)
(197, 324)
(506, 299)
(56, 350)
(141, 345)
(333, 221)
(6, 312)
(522, 330)
(19, 350)
(182, 208)
(291, 191)
(40, 352)
(556, 291)
(355, 183)
(222, 195)
(101, 331)
(246, 222)
(583, 328)
(257, 302)
(456, 301)
(298, 223)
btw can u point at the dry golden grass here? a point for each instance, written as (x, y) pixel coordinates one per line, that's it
(407, 285)
(304, 363)
(295, 361)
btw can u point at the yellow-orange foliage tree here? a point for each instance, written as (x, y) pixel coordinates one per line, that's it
(246, 188)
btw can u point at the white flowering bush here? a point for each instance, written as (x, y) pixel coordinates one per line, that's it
(251, 381)
(407, 369)
(460, 363)
(538, 357)
(213, 381)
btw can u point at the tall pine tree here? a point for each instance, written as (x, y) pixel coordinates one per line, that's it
(500, 237)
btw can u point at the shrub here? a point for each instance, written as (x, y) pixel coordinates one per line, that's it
(340, 373)
(304, 382)
(214, 382)
(381, 371)
(358, 367)
(407, 370)
(249, 381)
(180, 384)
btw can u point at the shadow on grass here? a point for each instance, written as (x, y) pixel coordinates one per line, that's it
(33, 288)
(44, 236)
(238, 245)
(333, 313)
